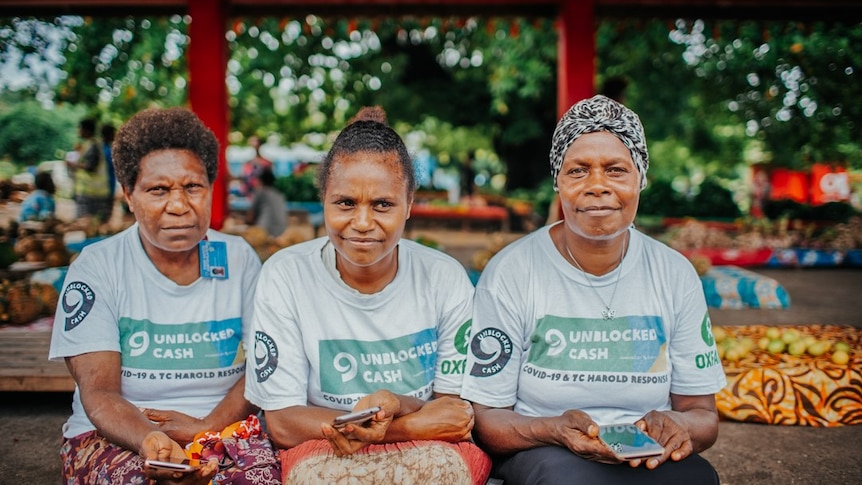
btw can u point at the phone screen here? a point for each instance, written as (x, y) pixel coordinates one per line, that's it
(628, 441)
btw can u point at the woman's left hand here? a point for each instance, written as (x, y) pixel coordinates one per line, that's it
(446, 418)
(181, 427)
(353, 437)
(674, 437)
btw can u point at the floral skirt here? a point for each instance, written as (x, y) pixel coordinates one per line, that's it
(90, 459)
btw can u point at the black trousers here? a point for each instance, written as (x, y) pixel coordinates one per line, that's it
(555, 465)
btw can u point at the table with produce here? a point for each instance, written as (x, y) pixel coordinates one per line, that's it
(805, 375)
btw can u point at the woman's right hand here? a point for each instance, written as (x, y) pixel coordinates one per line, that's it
(353, 437)
(575, 430)
(158, 446)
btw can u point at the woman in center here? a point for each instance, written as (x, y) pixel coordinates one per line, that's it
(362, 318)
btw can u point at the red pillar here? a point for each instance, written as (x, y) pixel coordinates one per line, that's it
(575, 53)
(207, 56)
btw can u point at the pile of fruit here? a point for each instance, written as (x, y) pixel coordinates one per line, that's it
(764, 233)
(777, 340)
(22, 302)
(33, 242)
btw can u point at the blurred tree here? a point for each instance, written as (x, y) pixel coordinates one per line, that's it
(23, 121)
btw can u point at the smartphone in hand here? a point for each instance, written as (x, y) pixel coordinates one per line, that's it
(628, 442)
(175, 464)
(360, 416)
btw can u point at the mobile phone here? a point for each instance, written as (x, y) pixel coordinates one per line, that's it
(355, 417)
(184, 465)
(628, 442)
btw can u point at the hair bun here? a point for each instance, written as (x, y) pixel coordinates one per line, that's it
(371, 113)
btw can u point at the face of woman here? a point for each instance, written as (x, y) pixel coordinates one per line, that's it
(171, 200)
(599, 186)
(365, 208)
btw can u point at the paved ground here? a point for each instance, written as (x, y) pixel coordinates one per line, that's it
(744, 454)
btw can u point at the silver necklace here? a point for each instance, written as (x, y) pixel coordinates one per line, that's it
(607, 313)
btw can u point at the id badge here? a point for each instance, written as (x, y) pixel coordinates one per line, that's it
(213, 259)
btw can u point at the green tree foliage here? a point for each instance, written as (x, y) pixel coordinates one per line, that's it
(22, 122)
(122, 65)
(793, 86)
(713, 96)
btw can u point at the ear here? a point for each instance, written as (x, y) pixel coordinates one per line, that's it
(409, 206)
(127, 196)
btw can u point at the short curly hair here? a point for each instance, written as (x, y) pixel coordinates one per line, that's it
(162, 129)
(368, 131)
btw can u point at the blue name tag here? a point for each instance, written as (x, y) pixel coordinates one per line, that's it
(213, 258)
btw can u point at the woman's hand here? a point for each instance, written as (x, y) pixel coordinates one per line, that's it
(575, 430)
(179, 426)
(447, 418)
(671, 435)
(158, 446)
(353, 437)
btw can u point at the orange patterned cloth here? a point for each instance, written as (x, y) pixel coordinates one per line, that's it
(783, 389)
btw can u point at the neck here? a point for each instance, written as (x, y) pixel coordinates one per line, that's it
(181, 267)
(594, 257)
(368, 279)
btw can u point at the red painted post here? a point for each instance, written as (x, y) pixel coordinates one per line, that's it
(576, 53)
(207, 56)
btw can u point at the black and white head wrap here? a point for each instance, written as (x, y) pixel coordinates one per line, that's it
(600, 113)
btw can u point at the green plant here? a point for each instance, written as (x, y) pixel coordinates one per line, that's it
(299, 187)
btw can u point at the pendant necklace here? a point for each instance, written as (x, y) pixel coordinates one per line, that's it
(607, 313)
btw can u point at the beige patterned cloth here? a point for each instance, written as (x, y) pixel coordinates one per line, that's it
(783, 389)
(412, 462)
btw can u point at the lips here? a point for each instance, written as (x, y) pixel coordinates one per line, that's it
(598, 210)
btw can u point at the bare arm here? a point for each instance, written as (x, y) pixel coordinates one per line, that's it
(183, 428)
(119, 421)
(445, 418)
(503, 431)
(294, 425)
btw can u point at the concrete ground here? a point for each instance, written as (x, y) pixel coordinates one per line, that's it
(744, 453)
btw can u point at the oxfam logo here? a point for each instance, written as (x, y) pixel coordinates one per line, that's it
(706, 331)
(462, 337)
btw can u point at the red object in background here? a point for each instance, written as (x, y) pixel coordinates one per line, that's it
(829, 184)
(207, 57)
(789, 184)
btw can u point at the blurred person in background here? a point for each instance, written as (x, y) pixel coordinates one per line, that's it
(39, 205)
(89, 169)
(268, 205)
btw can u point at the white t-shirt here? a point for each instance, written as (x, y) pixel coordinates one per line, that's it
(181, 346)
(539, 341)
(319, 342)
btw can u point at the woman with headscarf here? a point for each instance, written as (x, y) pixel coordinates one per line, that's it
(589, 322)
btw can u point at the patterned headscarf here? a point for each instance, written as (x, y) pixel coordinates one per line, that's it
(600, 113)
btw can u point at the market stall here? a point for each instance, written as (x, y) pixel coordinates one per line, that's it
(793, 386)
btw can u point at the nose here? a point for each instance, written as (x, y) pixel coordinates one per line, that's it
(597, 182)
(177, 202)
(363, 219)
